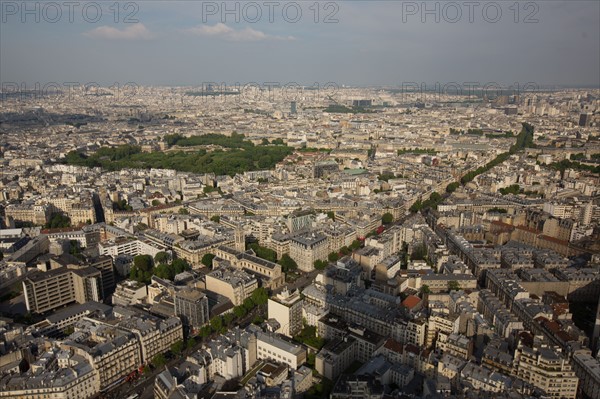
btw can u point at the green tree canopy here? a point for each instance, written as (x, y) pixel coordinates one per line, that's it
(387, 218)
(159, 360)
(161, 257)
(207, 260)
(320, 264)
(333, 257)
(287, 264)
(143, 262)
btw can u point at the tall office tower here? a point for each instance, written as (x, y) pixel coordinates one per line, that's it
(585, 119)
(293, 108)
(192, 307)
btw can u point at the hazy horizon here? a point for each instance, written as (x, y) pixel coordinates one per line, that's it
(372, 44)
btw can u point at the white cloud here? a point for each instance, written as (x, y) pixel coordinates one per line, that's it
(134, 32)
(225, 32)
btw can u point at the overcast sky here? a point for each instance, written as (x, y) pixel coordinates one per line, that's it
(372, 43)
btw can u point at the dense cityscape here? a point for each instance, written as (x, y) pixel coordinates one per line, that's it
(287, 241)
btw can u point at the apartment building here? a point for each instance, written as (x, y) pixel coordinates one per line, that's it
(128, 246)
(306, 248)
(45, 291)
(286, 308)
(130, 292)
(275, 347)
(547, 369)
(587, 369)
(154, 335)
(28, 213)
(72, 377)
(235, 284)
(268, 273)
(335, 357)
(111, 351)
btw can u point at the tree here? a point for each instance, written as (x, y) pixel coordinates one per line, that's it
(425, 289)
(216, 218)
(453, 285)
(331, 215)
(207, 260)
(419, 252)
(142, 269)
(121, 205)
(155, 202)
(356, 244)
(1, 255)
(248, 304)
(216, 323)
(264, 161)
(228, 318)
(260, 296)
(143, 262)
(161, 258)
(177, 347)
(387, 218)
(416, 207)
(287, 264)
(333, 257)
(164, 271)
(239, 312)
(512, 189)
(450, 188)
(183, 211)
(58, 220)
(159, 360)
(190, 343)
(205, 331)
(320, 264)
(263, 252)
(180, 265)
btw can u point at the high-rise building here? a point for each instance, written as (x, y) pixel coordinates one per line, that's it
(286, 308)
(66, 282)
(293, 110)
(192, 307)
(585, 119)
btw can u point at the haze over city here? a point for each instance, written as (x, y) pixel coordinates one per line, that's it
(299, 200)
(352, 43)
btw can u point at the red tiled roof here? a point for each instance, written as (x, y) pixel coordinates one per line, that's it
(411, 301)
(393, 345)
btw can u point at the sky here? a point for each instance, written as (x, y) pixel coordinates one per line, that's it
(354, 43)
